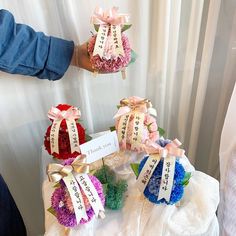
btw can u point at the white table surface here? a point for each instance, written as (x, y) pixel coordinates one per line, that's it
(195, 215)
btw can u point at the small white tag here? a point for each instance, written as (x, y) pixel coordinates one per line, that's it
(100, 147)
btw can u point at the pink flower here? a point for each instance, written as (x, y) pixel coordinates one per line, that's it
(154, 136)
(109, 50)
(150, 122)
(108, 63)
(69, 204)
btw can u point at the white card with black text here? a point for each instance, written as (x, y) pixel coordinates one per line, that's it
(100, 147)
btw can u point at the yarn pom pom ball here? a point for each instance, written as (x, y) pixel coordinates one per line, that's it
(62, 206)
(109, 63)
(115, 189)
(149, 130)
(63, 138)
(151, 191)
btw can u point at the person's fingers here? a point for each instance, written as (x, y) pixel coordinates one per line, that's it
(83, 60)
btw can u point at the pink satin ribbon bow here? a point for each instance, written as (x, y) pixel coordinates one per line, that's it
(56, 114)
(171, 148)
(133, 104)
(110, 16)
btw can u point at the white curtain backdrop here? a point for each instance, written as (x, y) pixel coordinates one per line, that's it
(185, 66)
(227, 210)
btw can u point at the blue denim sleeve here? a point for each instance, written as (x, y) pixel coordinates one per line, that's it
(24, 51)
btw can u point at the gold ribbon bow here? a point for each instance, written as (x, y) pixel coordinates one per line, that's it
(56, 172)
(133, 104)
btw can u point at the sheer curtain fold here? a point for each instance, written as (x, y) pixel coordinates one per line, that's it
(209, 39)
(175, 19)
(184, 66)
(192, 43)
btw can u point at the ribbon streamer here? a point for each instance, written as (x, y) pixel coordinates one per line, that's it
(167, 178)
(70, 116)
(122, 130)
(147, 171)
(91, 193)
(117, 41)
(76, 197)
(101, 41)
(136, 138)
